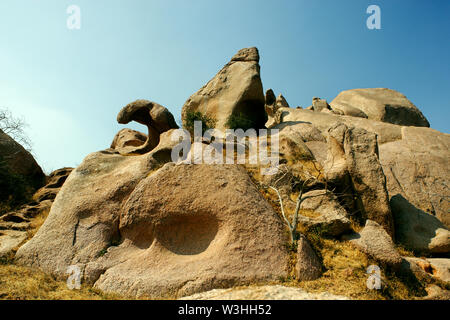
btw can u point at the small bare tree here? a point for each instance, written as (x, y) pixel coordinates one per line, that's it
(292, 225)
(14, 127)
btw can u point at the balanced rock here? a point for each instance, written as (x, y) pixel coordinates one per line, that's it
(380, 104)
(236, 91)
(151, 114)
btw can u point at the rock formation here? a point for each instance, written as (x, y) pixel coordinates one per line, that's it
(160, 230)
(15, 159)
(236, 91)
(15, 225)
(156, 117)
(414, 160)
(380, 104)
(376, 242)
(139, 224)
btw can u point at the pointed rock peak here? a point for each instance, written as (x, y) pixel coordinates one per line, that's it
(246, 54)
(270, 97)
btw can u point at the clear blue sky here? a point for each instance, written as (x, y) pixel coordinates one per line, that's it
(70, 84)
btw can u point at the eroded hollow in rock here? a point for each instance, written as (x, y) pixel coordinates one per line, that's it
(247, 114)
(187, 235)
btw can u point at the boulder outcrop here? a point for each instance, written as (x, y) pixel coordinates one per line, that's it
(374, 241)
(417, 230)
(414, 159)
(236, 91)
(14, 159)
(165, 222)
(380, 104)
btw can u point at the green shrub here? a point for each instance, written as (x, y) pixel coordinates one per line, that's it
(239, 121)
(192, 116)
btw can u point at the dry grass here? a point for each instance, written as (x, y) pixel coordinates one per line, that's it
(37, 222)
(22, 283)
(346, 275)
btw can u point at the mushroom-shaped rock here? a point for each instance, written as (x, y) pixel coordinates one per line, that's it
(156, 117)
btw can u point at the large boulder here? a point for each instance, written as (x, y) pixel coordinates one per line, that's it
(414, 159)
(417, 167)
(367, 176)
(236, 90)
(174, 231)
(380, 104)
(418, 230)
(375, 242)
(15, 160)
(331, 219)
(353, 159)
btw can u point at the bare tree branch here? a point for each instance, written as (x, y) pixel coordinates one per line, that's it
(14, 127)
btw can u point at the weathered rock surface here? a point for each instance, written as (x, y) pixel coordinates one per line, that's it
(368, 179)
(151, 114)
(129, 138)
(352, 159)
(414, 160)
(381, 104)
(320, 104)
(441, 268)
(417, 167)
(209, 221)
(418, 230)
(332, 217)
(54, 183)
(10, 240)
(14, 225)
(308, 265)
(236, 241)
(235, 90)
(438, 268)
(386, 132)
(376, 242)
(292, 147)
(275, 292)
(436, 293)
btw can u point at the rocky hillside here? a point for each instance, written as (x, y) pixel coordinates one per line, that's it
(360, 182)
